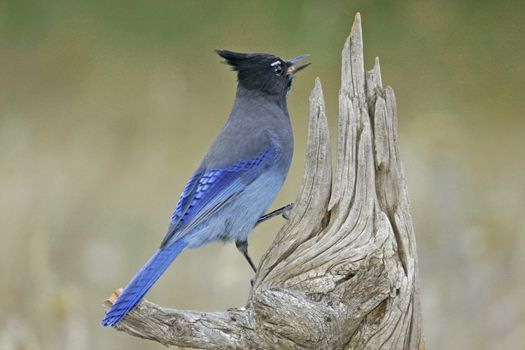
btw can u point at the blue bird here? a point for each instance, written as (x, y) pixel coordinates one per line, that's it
(239, 177)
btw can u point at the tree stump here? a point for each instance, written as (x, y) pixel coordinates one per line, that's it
(342, 273)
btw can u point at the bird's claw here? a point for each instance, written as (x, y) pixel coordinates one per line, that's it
(286, 213)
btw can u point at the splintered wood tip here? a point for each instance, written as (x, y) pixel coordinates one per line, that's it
(112, 298)
(357, 23)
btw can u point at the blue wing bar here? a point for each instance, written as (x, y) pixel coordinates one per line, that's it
(209, 189)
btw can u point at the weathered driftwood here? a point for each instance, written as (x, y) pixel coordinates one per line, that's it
(342, 272)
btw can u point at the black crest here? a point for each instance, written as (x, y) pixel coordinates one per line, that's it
(259, 71)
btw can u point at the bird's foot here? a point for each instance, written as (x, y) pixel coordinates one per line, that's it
(112, 298)
(286, 214)
(284, 211)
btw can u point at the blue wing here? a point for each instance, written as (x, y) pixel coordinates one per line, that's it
(183, 203)
(207, 191)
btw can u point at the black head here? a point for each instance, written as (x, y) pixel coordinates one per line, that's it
(262, 71)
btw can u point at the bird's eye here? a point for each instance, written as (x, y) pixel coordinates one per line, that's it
(277, 67)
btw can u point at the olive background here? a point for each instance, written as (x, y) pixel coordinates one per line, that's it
(107, 107)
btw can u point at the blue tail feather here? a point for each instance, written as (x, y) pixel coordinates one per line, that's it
(142, 282)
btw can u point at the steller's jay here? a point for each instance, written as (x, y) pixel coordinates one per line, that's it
(239, 177)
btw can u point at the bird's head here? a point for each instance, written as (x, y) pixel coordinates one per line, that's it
(262, 71)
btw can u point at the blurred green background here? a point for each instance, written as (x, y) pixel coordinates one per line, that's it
(106, 108)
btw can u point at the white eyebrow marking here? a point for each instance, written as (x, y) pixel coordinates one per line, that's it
(275, 63)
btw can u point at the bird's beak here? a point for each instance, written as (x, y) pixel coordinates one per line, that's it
(292, 64)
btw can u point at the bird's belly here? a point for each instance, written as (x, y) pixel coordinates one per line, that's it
(237, 219)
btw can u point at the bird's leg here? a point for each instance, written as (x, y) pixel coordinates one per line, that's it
(243, 248)
(284, 211)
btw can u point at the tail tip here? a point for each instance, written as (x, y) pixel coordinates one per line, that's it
(110, 321)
